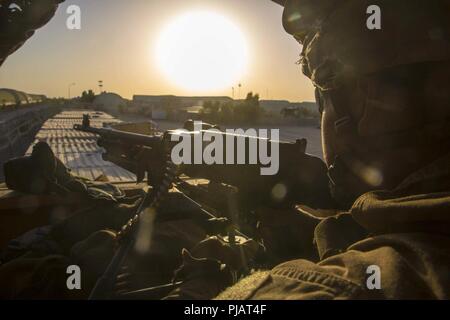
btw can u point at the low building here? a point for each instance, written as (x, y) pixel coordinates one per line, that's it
(110, 102)
(160, 107)
(169, 106)
(11, 97)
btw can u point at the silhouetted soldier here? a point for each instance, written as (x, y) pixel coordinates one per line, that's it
(384, 96)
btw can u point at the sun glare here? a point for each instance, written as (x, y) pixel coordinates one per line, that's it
(202, 51)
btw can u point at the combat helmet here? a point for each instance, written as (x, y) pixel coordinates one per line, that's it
(387, 86)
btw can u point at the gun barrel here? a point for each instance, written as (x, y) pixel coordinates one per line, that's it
(110, 133)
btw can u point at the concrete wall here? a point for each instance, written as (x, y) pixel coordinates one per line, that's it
(18, 129)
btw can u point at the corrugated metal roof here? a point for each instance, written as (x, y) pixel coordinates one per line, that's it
(79, 150)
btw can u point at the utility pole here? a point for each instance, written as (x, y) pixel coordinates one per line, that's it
(240, 86)
(100, 85)
(70, 86)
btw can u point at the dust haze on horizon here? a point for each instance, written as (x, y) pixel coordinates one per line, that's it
(119, 43)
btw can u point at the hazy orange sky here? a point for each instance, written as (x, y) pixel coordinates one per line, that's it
(117, 41)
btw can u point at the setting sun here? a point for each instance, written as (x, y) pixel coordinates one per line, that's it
(202, 51)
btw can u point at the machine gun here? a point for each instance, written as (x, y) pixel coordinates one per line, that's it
(301, 178)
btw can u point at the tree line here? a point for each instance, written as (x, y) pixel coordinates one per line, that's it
(248, 110)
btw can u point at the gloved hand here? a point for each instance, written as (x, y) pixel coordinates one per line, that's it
(236, 256)
(210, 267)
(287, 234)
